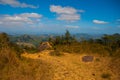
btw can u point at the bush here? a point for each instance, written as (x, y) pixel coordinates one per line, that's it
(97, 59)
(106, 75)
(8, 54)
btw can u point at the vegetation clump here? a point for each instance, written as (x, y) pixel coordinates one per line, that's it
(107, 45)
(106, 75)
(56, 53)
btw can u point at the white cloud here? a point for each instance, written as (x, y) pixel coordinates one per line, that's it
(31, 15)
(62, 10)
(99, 22)
(71, 26)
(16, 3)
(65, 13)
(69, 17)
(24, 18)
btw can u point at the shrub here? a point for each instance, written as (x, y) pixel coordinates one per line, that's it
(97, 59)
(106, 75)
(56, 53)
(8, 57)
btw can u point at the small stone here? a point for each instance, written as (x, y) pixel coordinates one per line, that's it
(93, 74)
(38, 55)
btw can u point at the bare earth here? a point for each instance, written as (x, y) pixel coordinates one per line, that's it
(71, 67)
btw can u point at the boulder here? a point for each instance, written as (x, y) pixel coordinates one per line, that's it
(44, 46)
(87, 58)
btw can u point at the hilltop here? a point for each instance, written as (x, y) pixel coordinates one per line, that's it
(62, 61)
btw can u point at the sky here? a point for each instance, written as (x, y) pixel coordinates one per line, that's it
(56, 16)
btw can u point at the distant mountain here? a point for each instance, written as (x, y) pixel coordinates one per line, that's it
(36, 39)
(86, 36)
(30, 45)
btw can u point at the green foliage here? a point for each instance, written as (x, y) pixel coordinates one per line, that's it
(64, 39)
(107, 45)
(112, 43)
(67, 36)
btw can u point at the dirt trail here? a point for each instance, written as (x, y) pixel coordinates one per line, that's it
(71, 67)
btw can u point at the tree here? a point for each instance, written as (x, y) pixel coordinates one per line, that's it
(63, 39)
(58, 40)
(67, 37)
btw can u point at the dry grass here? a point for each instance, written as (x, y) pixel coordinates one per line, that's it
(84, 47)
(12, 68)
(43, 66)
(27, 70)
(50, 65)
(71, 67)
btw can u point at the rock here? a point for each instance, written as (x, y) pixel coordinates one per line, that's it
(87, 58)
(44, 46)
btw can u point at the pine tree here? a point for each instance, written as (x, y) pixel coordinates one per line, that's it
(67, 37)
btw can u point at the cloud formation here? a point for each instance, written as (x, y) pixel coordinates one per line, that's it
(69, 17)
(16, 3)
(24, 18)
(99, 22)
(65, 13)
(62, 10)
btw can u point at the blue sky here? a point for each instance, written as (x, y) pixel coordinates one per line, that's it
(55, 16)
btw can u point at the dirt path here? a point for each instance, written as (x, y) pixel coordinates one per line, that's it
(71, 67)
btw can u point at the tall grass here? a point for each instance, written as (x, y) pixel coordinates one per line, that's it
(85, 47)
(14, 68)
